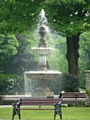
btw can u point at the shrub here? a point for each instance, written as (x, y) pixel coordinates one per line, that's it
(70, 83)
(11, 84)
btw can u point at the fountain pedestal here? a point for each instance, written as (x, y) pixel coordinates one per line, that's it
(42, 92)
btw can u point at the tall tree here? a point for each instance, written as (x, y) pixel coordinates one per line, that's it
(70, 18)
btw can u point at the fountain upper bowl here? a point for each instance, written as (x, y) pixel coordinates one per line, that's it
(42, 50)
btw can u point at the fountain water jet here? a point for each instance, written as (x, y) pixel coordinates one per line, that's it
(42, 73)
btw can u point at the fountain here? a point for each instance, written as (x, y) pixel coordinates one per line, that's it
(42, 73)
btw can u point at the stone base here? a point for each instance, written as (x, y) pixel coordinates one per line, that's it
(42, 92)
(87, 102)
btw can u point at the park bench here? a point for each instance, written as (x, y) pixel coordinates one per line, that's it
(74, 96)
(36, 102)
(40, 102)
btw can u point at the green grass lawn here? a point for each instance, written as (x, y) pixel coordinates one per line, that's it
(68, 113)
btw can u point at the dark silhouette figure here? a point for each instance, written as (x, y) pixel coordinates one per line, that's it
(60, 99)
(16, 109)
(57, 108)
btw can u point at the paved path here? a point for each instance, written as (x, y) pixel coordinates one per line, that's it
(5, 106)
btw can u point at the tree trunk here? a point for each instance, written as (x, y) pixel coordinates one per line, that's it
(73, 55)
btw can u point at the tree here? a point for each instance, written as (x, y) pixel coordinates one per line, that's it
(8, 48)
(24, 59)
(70, 18)
(18, 15)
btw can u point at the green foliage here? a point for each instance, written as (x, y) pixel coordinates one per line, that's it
(84, 61)
(3, 84)
(85, 49)
(24, 59)
(11, 84)
(8, 45)
(69, 17)
(88, 93)
(70, 83)
(18, 15)
(8, 48)
(65, 2)
(56, 58)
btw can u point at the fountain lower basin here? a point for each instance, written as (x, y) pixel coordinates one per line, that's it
(40, 75)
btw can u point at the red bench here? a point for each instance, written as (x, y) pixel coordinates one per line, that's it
(67, 98)
(39, 102)
(74, 95)
(33, 102)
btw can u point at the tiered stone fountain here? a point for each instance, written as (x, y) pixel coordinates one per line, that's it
(42, 73)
